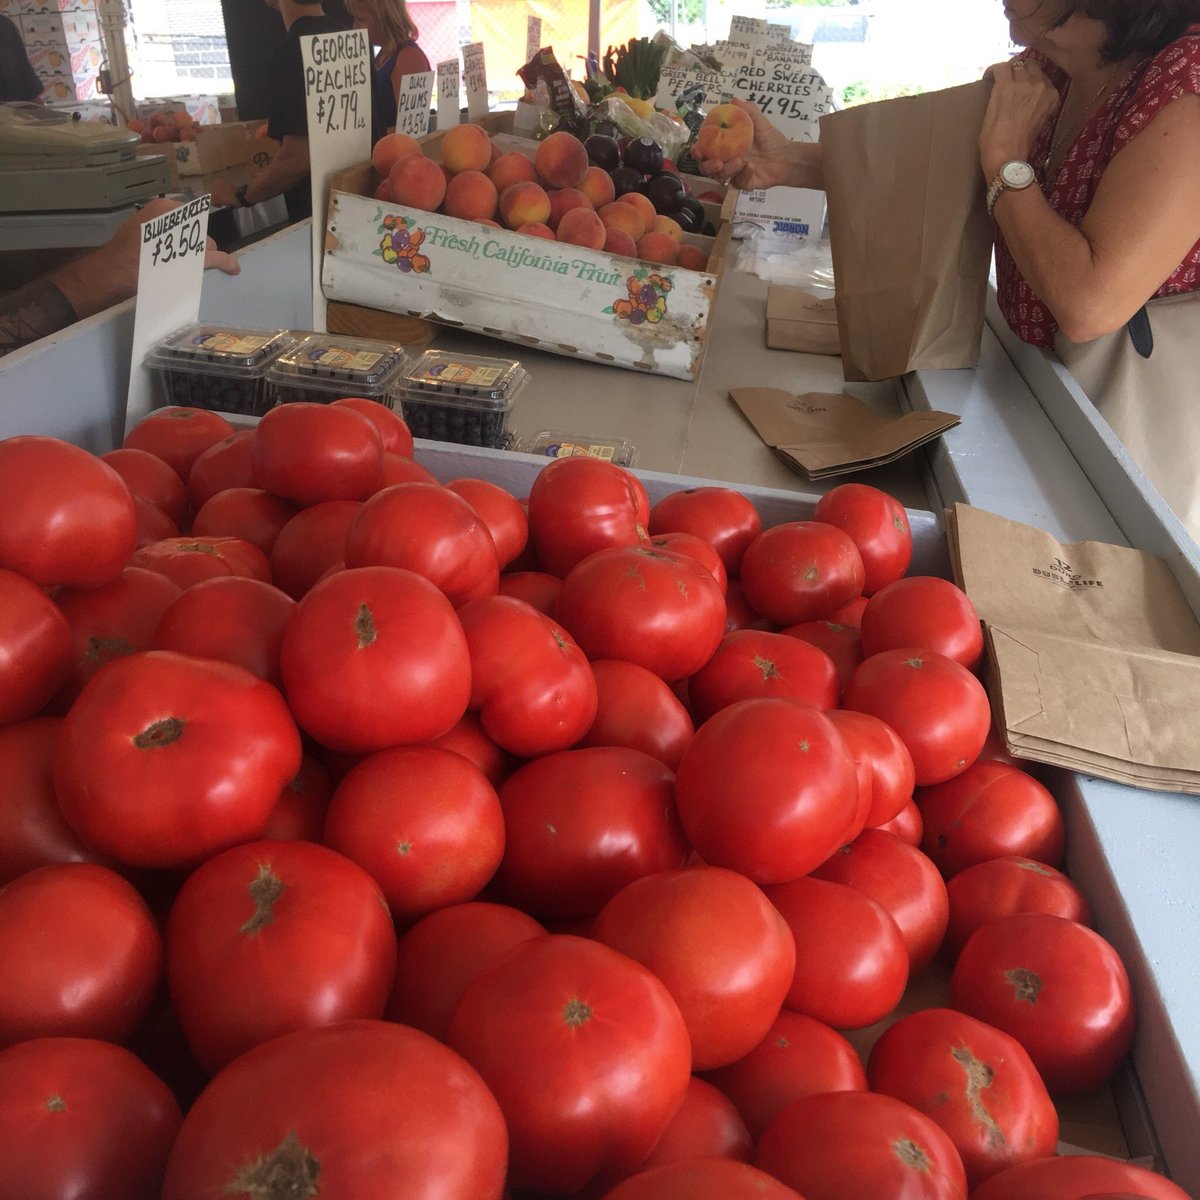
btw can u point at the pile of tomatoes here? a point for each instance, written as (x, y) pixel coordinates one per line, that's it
(365, 836)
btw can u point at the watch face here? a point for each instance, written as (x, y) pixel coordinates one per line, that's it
(1016, 174)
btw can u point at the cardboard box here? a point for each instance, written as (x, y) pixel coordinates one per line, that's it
(63, 61)
(560, 298)
(62, 89)
(204, 110)
(67, 31)
(49, 6)
(217, 148)
(88, 110)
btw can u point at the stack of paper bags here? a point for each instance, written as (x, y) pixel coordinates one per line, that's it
(1092, 652)
(827, 433)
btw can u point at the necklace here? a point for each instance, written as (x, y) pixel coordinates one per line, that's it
(1073, 130)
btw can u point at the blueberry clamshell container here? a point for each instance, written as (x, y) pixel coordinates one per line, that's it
(322, 367)
(462, 398)
(557, 443)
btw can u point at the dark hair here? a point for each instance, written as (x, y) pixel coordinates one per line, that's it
(1136, 28)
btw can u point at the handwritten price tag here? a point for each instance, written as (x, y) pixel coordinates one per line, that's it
(337, 87)
(448, 86)
(475, 74)
(533, 37)
(412, 105)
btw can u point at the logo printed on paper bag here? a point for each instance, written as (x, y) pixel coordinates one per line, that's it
(1060, 573)
(802, 406)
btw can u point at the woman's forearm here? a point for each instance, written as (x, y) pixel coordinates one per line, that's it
(805, 166)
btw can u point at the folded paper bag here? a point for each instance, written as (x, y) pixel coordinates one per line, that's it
(799, 319)
(832, 433)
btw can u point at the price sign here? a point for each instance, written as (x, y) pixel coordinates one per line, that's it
(475, 75)
(170, 275)
(778, 33)
(750, 32)
(337, 86)
(533, 37)
(412, 105)
(792, 99)
(448, 85)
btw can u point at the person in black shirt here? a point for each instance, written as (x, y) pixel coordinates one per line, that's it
(18, 80)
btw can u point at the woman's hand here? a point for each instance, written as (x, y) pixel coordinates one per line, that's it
(1021, 103)
(767, 163)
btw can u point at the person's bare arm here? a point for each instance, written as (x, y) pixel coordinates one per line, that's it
(284, 171)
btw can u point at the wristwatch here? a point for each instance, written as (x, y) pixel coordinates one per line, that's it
(1014, 176)
(240, 193)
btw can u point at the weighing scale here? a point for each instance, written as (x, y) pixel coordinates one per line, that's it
(50, 161)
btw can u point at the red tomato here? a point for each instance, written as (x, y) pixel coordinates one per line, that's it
(578, 505)
(95, 973)
(209, 741)
(112, 620)
(427, 529)
(702, 1179)
(927, 613)
(878, 526)
(937, 706)
(660, 610)
(752, 664)
(153, 525)
(536, 588)
(851, 612)
(293, 1109)
(974, 1081)
(310, 544)
(707, 1125)
(82, 1118)
(693, 547)
(584, 1049)
(890, 766)
(251, 514)
(467, 737)
(581, 824)
(635, 708)
(399, 468)
(841, 642)
(234, 620)
(1077, 1177)
(531, 684)
(178, 435)
(299, 814)
(801, 571)
(724, 953)
(375, 657)
(33, 831)
(738, 613)
(314, 452)
(424, 823)
(1056, 986)
(225, 464)
(767, 788)
(394, 432)
(443, 952)
(297, 935)
(35, 648)
(906, 824)
(721, 516)
(851, 961)
(861, 1144)
(799, 1056)
(68, 516)
(500, 511)
(900, 878)
(988, 811)
(151, 479)
(187, 561)
(1003, 887)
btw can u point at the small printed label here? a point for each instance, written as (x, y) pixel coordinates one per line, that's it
(475, 75)
(1060, 572)
(235, 345)
(449, 110)
(460, 373)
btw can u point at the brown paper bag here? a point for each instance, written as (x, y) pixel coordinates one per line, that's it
(799, 319)
(909, 231)
(833, 433)
(1093, 654)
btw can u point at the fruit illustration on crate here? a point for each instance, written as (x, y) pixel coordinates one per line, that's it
(400, 245)
(646, 301)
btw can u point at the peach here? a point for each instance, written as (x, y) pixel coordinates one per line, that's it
(581, 227)
(643, 204)
(537, 229)
(384, 192)
(389, 148)
(417, 182)
(659, 248)
(597, 186)
(563, 200)
(692, 258)
(521, 203)
(619, 242)
(490, 223)
(667, 225)
(624, 217)
(561, 160)
(466, 148)
(727, 132)
(511, 168)
(470, 195)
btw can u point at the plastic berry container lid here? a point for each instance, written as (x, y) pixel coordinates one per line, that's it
(330, 366)
(556, 443)
(223, 350)
(439, 374)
